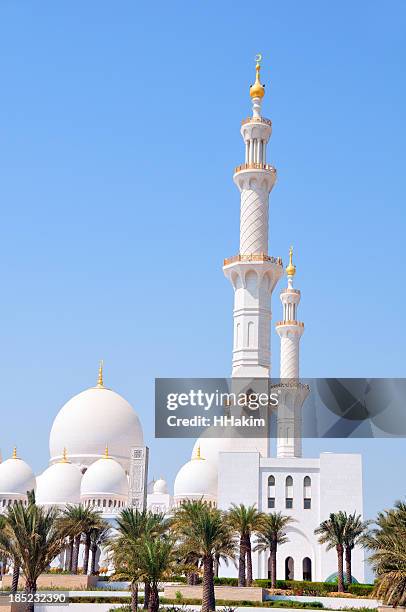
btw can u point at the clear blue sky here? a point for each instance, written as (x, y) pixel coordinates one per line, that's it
(119, 130)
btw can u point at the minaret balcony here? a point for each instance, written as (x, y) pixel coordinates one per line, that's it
(289, 323)
(290, 290)
(253, 257)
(257, 120)
(255, 166)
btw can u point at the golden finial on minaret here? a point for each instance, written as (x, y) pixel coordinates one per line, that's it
(257, 90)
(64, 457)
(291, 268)
(100, 378)
(15, 453)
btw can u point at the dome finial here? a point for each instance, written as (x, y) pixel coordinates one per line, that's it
(100, 378)
(291, 268)
(257, 90)
(15, 456)
(198, 455)
(64, 456)
(106, 452)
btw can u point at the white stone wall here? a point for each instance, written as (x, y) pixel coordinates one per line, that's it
(336, 484)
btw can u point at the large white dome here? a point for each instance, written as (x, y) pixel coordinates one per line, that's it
(59, 484)
(104, 478)
(196, 479)
(16, 478)
(91, 420)
(211, 447)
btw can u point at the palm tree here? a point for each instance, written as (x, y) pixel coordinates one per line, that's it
(132, 526)
(271, 534)
(99, 536)
(92, 521)
(244, 520)
(202, 529)
(156, 559)
(332, 533)
(387, 542)
(76, 521)
(33, 536)
(355, 528)
(3, 554)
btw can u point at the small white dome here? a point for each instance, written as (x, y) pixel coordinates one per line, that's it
(160, 486)
(105, 478)
(59, 484)
(197, 478)
(92, 419)
(16, 477)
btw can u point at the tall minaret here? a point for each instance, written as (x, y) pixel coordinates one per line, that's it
(253, 273)
(292, 392)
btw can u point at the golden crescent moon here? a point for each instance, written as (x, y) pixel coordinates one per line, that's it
(258, 58)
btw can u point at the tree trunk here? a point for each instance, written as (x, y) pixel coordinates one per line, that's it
(273, 565)
(147, 592)
(348, 569)
(70, 566)
(76, 549)
(93, 561)
(340, 569)
(16, 577)
(249, 561)
(216, 566)
(241, 563)
(208, 598)
(191, 578)
(153, 604)
(86, 554)
(134, 596)
(30, 589)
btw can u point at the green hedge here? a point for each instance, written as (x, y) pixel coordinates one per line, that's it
(302, 587)
(363, 590)
(223, 602)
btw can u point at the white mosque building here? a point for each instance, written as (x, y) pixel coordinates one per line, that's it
(224, 470)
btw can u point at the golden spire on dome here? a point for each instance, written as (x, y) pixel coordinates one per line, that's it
(64, 457)
(106, 453)
(198, 455)
(100, 383)
(257, 90)
(291, 268)
(15, 456)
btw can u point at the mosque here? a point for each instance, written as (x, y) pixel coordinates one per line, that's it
(224, 470)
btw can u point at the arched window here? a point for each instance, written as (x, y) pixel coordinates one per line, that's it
(289, 492)
(307, 569)
(271, 491)
(307, 493)
(289, 569)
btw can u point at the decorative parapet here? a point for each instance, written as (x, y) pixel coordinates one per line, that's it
(256, 120)
(255, 166)
(253, 257)
(298, 323)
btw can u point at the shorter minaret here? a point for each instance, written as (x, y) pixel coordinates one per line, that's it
(290, 330)
(292, 392)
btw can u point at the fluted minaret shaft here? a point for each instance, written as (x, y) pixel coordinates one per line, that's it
(253, 273)
(293, 394)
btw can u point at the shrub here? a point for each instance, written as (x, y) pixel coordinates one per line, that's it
(362, 590)
(226, 581)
